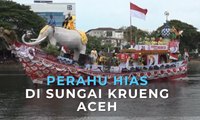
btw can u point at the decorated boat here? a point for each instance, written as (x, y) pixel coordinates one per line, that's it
(157, 60)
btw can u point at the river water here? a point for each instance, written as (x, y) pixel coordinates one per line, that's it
(183, 102)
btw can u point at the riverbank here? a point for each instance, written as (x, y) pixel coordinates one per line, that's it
(194, 66)
(11, 67)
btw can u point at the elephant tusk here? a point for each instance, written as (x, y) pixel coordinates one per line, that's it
(36, 41)
(33, 39)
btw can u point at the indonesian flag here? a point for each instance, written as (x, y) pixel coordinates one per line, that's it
(137, 11)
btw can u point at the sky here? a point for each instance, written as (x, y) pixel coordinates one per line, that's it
(92, 14)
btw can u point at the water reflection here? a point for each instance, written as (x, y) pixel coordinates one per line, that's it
(183, 101)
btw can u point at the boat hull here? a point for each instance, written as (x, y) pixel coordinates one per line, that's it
(38, 65)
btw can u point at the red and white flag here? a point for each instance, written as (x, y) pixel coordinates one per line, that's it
(138, 12)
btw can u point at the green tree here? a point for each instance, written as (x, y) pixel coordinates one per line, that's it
(19, 17)
(93, 42)
(136, 33)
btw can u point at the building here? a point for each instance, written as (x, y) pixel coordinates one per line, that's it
(109, 36)
(59, 11)
(43, 1)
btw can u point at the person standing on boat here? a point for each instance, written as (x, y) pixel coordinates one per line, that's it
(186, 55)
(93, 55)
(124, 64)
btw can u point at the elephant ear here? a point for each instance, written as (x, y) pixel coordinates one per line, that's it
(44, 29)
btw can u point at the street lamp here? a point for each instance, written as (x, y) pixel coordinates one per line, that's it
(167, 15)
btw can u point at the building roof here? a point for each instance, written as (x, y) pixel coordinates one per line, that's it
(144, 52)
(103, 29)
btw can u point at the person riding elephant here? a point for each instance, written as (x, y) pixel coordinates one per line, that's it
(52, 23)
(68, 23)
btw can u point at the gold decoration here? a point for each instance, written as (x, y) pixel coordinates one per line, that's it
(144, 52)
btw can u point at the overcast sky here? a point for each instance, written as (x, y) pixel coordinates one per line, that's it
(115, 13)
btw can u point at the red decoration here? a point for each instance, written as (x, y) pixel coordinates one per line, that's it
(135, 56)
(148, 74)
(122, 56)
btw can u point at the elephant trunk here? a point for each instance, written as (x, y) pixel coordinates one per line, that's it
(36, 41)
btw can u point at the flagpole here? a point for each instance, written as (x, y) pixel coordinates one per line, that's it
(131, 29)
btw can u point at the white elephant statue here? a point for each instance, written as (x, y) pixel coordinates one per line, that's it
(70, 39)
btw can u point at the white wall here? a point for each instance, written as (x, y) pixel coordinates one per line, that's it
(53, 7)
